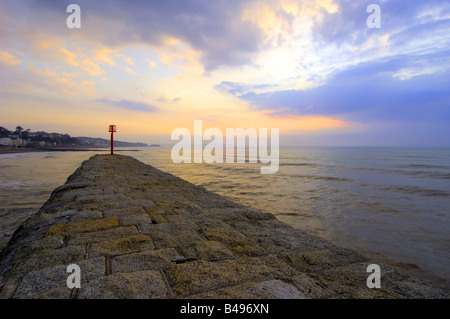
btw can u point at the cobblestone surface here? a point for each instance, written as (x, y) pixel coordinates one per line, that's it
(138, 232)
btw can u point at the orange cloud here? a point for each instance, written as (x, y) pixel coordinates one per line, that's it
(104, 55)
(91, 68)
(69, 57)
(62, 80)
(44, 73)
(151, 64)
(9, 59)
(312, 123)
(126, 59)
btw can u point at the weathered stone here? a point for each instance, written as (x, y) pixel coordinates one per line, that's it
(286, 240)
(239, 243)
(119, 212)
(260, 268)
(311, 288)
(324, 258)
(207, 250)
(48, 258)
(85, 215)
(84, 226)
(247, 290)
(182, 222)
(205, 220)
(227, 236)
(104, 235)
(89, 204)
(228, 213)
(147, 260)
(156, 216)
(141, 203)
(147, 284)
(47, 279)
(197, 276)
(348, 282)
(281, 290)
(51, 242)
(250, 250)
(257, 216)
(395, 282)
(3, 242)
(134, 219)
(121, 246)
(169, 236)
(417, 288)
(57, 293)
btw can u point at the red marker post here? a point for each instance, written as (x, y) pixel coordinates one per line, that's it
(112, 129)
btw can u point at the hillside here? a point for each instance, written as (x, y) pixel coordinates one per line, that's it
(101, 142)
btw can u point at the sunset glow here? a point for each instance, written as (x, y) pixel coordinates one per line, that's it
(151, 67)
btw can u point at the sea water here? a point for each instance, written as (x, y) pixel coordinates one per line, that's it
(391, 204)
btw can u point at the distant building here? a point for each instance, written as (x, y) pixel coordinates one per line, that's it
(16, 142)
(5, 141)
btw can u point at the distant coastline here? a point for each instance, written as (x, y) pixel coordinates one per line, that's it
(13, 150)
(26, 141)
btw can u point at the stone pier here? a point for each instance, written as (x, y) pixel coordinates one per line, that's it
(138, 232)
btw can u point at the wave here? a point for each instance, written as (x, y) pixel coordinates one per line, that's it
(436, 175)
(302, 164)
(287, 214)
(321, 178)
(424, 166)
(416, 190)
(417, 156)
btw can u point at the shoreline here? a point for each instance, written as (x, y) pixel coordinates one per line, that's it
(57, 149)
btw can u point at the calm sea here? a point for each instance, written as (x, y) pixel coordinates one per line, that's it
(392, 204)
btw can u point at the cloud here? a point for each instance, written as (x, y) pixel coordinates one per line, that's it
(91, 68)
(240, 88)
(9, 59)
(151, 64)
(41, 73)
(282, 59)
(126, 59)
(213, 28)
(369, 92)
(104, 55)
(130, 105)
(348, 24)
(69, 57)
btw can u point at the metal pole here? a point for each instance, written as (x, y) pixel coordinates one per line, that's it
(112, 143)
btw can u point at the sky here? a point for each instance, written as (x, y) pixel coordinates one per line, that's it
(313, 69)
